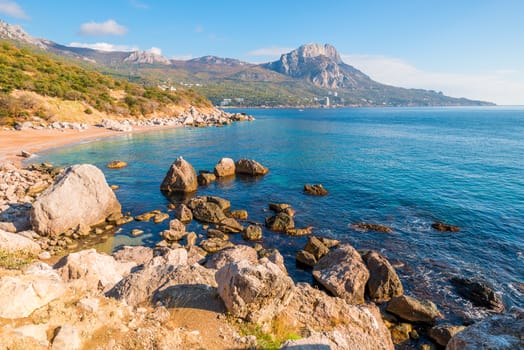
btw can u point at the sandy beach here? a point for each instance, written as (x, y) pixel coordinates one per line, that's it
(12, 142)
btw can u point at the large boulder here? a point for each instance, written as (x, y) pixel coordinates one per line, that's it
(79, 197)
(333, 323)
(414, 310)
(209, 209)
(93, 271)
(250, 167)
(501, 332)
(13, 242)
(383, 283)
(225, 167)
(280, 222)
(236, 253)
(255, 293)
(137, 254)
(478, 292)
(164, 270)
(343, 273)
(181, 177)
(21, 295)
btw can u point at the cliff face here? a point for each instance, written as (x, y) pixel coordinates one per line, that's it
(146, 57)
(16, 33)
(320, 65)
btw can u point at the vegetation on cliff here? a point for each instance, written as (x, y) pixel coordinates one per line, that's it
(44, 74)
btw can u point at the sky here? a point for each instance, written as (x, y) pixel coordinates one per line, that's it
(464, 48)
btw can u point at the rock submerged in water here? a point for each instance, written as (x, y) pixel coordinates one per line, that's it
(413, 310)
(280, 222)
(442, 227)
(365, 226)
(225, 167)
(181, 177)
(478, 292)
(252, 233)
(57, 209)
(250, 167)
(117, 164)
(205, 178)
(315, 190)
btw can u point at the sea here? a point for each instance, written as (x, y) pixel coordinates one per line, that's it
(401, 167)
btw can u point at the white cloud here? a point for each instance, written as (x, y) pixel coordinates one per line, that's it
(12, 9)
(183, 57)
(104, 46)
(109, 27)
(156, 51)
(138, 4)
(502, 86)
(272, 51)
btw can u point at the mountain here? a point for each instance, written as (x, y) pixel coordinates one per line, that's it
(322, 66)
(312, 75)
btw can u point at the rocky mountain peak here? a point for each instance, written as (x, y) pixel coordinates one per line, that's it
(15, 32)
(320, 65)
(315, 50)
(146, 57)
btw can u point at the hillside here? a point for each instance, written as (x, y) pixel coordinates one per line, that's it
(39, 84)
(312, 75)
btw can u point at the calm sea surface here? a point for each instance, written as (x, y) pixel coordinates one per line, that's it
(404, 168)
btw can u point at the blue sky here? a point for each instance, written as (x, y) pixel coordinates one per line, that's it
(465, 48)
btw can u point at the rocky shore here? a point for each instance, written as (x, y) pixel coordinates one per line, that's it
(190, 117)
(202, 291)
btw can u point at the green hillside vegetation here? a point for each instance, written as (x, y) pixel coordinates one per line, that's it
(23, 69)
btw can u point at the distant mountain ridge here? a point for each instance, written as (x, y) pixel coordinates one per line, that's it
(311, 75)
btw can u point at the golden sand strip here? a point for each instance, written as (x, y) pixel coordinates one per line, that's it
(12, 142)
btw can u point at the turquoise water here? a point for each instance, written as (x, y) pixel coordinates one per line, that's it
(404, 168)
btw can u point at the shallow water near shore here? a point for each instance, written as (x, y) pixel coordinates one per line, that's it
(404, 168)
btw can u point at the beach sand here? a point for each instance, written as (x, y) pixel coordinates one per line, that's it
(12, 142)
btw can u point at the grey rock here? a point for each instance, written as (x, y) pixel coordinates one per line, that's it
(181, 177)
(225, 167)
(256, 293)
(280, 222)
(21, 295)
(93, 271)
(343, 273)
(57, 209)
(501, 332)
(441, 334)
(478, 292)
(137, 254)
(413, 310)
(252, 233)
(234, 254)
(183, 213)
(316, 247)
(383, 283)
(250, 167)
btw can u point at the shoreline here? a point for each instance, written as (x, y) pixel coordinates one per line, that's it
(35, 141)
